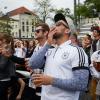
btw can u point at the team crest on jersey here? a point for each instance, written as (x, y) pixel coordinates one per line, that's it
(49, 52)
(65, 55)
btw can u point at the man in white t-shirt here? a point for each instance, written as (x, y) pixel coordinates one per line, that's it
(62, 78)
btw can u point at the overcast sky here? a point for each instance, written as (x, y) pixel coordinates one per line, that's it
(13, 4)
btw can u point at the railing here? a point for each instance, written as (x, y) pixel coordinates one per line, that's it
(89, 20)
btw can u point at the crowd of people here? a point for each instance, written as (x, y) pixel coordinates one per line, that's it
(69, 67)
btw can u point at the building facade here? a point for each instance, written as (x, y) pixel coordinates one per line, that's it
(24, 24)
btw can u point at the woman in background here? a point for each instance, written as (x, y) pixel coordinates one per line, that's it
(31, 48)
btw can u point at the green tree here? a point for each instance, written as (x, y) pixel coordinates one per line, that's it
(82, 10)
(43, 9)
(90, 8)
(95, 3)
(5, 24)
(64, 11)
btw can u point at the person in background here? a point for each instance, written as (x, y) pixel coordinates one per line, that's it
(16, 89)
(26, 46)
(96, 38)
(6, 83)
(95, 62)
(86, 44)
(95, 46)
(7, 67)
(30, 49)
(41, 33)
(74, 39)
(19, 49)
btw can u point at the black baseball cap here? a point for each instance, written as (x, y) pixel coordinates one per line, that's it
(59, 17)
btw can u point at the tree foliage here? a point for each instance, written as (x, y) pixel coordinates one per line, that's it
(95, 3)
(5, 25)
(43, 9)
(90, 9)
(64, 11)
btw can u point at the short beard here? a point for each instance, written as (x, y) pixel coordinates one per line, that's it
(38, 38)
(57, 36)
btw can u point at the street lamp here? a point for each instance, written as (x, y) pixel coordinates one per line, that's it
(79, 14)
(99, 15)
(75, 15)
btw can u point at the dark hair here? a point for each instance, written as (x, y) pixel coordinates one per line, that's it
(8, 39)
(95, 28)
(5, 36)
(89, 37)
(27, 43)
(44, 26)
(75, 35)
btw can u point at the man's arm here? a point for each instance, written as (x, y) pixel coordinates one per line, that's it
(79, 81)
(37, 60)
(17, 60)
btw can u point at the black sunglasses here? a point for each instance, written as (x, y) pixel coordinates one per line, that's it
(38, 30)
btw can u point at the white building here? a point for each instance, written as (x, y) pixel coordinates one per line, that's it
(24, 24)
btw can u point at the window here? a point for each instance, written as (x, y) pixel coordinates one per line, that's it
(32, 28)
(27, 23)
(27, 28)
(16, 33)
(23, 28)
(22, 23)
(12, 33)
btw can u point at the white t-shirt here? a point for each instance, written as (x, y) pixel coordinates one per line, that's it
(19, 52)
(59, 64)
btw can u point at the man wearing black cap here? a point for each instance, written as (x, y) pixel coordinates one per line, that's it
(96, 35)
(62, 78)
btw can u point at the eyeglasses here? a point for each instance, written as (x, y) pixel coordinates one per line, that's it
(61, 23)
(38, 30)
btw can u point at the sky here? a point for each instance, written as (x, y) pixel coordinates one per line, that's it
(8, 5)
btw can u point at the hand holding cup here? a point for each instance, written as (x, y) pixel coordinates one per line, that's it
(41, 79)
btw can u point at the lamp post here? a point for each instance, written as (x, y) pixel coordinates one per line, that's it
(99, 15)
(75, 15)
(79, 14)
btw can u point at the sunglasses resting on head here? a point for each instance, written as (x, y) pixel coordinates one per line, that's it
(61, 22)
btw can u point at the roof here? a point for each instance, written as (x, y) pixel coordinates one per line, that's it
(21, 10)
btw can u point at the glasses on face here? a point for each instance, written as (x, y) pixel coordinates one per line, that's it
(61, 23)
(39, 30)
